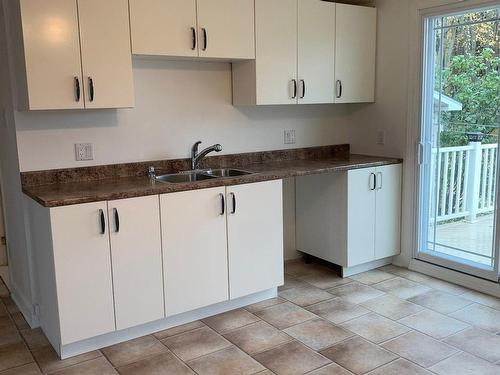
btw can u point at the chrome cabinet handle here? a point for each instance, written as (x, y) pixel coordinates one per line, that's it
(193, 38)
(205, 39)
(303, 85)
(294, 88)
(339, 89)
(233, 197)
(77, 89)
(91, 89)
(103, 221)
(378, 179)
(373, 181)
(117, 220)
(222, 204)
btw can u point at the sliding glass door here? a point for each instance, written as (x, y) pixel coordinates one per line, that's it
(459, 147)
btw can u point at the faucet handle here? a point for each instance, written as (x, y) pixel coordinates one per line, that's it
(151, 172)
(195, 146)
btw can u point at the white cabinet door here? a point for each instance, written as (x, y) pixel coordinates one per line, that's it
(194, 249)
(276, 51)
(52, 54)
(361, 216)
(226, 29)
(355, 45)
(255, 237)
(82, 262)
(106, 55)
(388, 212)
(316, 51)
(137, 260)
(163, 27)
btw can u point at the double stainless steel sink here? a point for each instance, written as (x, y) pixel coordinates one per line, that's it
(200, 175)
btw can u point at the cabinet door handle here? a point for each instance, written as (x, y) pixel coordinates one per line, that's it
(193, 38)
(303, 84)
(294, 88)
(77, 89)
(339, 89)
(222, 204)
(117, 220)
(233, 197)
(103, 221)
(378, 179)
(373, 181)
(91, 89)
(205, 39)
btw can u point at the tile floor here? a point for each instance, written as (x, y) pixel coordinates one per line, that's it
(390, 321)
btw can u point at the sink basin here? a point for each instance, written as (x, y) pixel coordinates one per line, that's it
(226, 172)
(178, 178)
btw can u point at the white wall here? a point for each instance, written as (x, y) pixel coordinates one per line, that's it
(177, 103)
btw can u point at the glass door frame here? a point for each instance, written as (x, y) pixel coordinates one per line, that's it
(424, 167)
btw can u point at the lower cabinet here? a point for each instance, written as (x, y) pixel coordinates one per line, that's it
(194, 249)
(350, 218)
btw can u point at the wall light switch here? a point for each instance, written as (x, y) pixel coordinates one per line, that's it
(381, 137)
(84, 151)
(289, 136)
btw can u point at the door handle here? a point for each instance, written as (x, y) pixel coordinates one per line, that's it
(205, 38)
(77, 89)
(117, 220)
(103, 221)
(339, 89)
(222, 204)
(303, 85)
(378, 180)
(233, 198)
(91, 89)
(193, 38)
(373, 181)
(294, 88)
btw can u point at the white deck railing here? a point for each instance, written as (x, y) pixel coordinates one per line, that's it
(464, 181)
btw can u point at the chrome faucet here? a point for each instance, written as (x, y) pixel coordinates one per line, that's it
(197, 156)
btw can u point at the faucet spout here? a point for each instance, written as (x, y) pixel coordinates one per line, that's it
(196, 157)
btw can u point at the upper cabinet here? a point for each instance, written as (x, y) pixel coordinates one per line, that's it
(76, 54)
(222, 29)
(308, 51)
(355, 48)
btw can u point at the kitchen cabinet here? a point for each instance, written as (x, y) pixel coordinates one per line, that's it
(308, 51)
(255, 237)
(355, 53)
(76, 54)
(350, 218)
(194, 249)
(220, 29)
(134, 230)
(82, 264)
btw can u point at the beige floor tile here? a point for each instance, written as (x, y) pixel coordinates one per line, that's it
(442, 302)
(400, 367)
(133, 350)
(229, 361)
(405, 273)
(6, 321)
(481, 343)
(14, 355)
(434, 324)
(445, 286)
(93, 367)
(375, 328)
(392, 307)
(318, 333)
(10, 305)
(483, 299)
(35, 338)
(465, 364)
(292, 358)
(325, 279)
(420, 349)
(402, 288)
(9, 335)
(257, 337)
(163, 364)
(337, 310)
(285, 315)
(373, 277)
(358, 355)
(196, 343)
(3, 309)
(266, 303)
(356, 292)
(178, 330)
(19, 321)
(480, 316)
(29, 369)
(331, 369)
(230, 320)
(291, 282)
(298, 268)
(305, 295)
(49, 361)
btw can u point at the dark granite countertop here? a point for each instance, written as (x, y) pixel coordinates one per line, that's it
(84, 190)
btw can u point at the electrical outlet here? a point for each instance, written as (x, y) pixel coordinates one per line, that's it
(289, 136)
(84, 151)
(381, 137)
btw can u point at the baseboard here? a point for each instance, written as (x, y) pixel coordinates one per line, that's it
(455, 277)
(24, 305)
(71, 350)
(349, 271)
